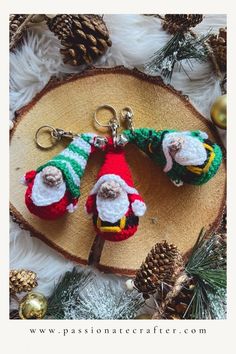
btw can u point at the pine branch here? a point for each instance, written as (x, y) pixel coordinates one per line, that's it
(68, 286)
(180, 47)
(207, 266)
(181, 280)
(81, 295)
(24, 25)
(19, 31)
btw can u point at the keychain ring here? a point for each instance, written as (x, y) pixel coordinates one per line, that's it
(127, 110)
(111, 109)
(54, 134)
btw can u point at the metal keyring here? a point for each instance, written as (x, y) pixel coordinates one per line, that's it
(127, 115)
(127, 111)
(110, 108)
(54, 135)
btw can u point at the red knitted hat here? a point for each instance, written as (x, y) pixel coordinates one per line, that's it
(115, 168)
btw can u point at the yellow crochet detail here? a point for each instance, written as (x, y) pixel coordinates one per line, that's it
(111, 228)
(199, 170)
(150, 148)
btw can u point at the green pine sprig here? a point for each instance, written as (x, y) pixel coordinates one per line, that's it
(180, 47)
(68, 287)
(81, 294)
(207, 267)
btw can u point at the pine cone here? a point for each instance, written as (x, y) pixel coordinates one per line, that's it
(85, 37)
(178, 307)
(162, 265)
(15, 22)
(181, 23)
(218, 44)
(22, 280)
(19, 24)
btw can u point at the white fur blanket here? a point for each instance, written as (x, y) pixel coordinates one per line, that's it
(135, 38)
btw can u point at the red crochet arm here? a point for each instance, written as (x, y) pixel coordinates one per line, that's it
(29, 176)
(91, 204)
(137, 204)
(133, 197)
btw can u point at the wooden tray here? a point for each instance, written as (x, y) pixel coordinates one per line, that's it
(174, 214)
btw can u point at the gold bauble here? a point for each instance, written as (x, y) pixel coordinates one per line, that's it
(144, 316)
(33, 306)
(219, 112)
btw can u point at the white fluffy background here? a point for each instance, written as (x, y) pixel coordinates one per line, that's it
(135, 38)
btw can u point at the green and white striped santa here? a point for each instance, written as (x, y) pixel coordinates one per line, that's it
(54, 188)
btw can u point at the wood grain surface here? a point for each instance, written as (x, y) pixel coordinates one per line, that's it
(173, 214)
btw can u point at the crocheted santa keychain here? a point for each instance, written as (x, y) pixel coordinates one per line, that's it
(54, 188)
(186, 156)
(114, 202)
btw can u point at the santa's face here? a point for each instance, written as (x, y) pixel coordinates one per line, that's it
(112, 202)
(185, 149)
(190, 151)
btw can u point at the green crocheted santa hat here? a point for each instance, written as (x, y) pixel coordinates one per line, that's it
(72, 162)
(150, 142)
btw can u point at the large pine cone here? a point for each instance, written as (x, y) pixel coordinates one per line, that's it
(22, 280)
(177, 309)
(162, 265)
(19, 24)
(218, 44)
(15, 22)
(85, 37)
(181, 23)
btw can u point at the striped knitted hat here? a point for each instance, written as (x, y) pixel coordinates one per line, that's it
(72, 162)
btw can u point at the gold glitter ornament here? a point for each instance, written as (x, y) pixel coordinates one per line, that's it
(33, 306)
(219, 112)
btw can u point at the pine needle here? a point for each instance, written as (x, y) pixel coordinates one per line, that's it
(207, 267)
(81, 295)
(180, 47)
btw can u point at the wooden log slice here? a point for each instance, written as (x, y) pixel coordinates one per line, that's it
(174, 214)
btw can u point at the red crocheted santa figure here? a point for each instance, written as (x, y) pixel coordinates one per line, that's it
(54, 188)
(114, 202)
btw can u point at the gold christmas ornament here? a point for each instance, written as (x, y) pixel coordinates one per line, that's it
(219, 112)
(84, 37)
(33, 306)
(22, 280)
(162, 265)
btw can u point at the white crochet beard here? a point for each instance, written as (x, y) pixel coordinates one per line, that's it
(43, 194)
(112, 210)
(192, 151)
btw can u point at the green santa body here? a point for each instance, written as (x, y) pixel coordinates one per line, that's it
(186, 157)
